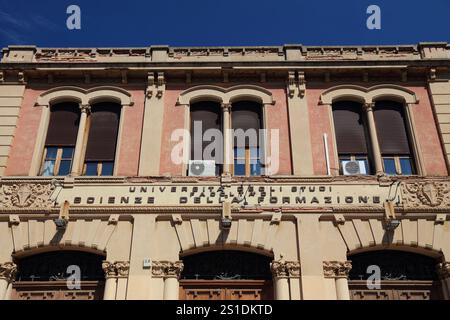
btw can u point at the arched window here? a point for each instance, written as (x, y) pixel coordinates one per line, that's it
(393, 275)
(393, 138)
(206, 128)
(61, 139)
(351, 136)
(51, 275)
(102, 139)
(246, 118)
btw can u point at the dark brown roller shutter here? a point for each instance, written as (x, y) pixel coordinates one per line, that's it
(63, 126)
(103, 132)
(391, 128)
(247, 115)
(209, 114)
(349, 128)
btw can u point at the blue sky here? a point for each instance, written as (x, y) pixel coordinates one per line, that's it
(110, 23)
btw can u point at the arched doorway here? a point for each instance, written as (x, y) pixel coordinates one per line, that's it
(52, 276)
(402, 276)
(226, 275)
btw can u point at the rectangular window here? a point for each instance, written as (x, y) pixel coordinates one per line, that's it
(57, 161)
(398, 165)
(247, 162)
(96, 168)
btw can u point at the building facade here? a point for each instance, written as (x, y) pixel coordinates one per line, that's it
(225, 173)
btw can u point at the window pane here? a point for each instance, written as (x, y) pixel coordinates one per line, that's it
(49, 166)
(239, 152)
(67, 153)
(107, 168)
(389, 166)
(64, 167)
(239, 169)
(406, 166)
(51, 153)
(91, 168)
(366, 164)
(255, 168)
(254, 153)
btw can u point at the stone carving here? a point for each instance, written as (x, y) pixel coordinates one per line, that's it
(26, 196)
(167, 269)
(116, 269)
(336, 269)
(282, 269)
(431, 194)
(8, 271)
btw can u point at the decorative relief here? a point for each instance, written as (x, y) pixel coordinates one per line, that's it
(283, 269)
(337, 269)
(167, 269)
(8, 271)
(431, 194)
(26, 196)
(117, 269)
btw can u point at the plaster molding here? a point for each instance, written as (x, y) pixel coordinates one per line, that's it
(226, 95)
(118, 269)
(429, 194)
(26, 196)
(337, 269)
(285, 269)
(8, 271)
(167, 269)
(368, 95)
(85, 96)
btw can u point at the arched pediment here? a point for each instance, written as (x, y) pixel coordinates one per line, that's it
(368, 95)
(85, 97)
(226, 95)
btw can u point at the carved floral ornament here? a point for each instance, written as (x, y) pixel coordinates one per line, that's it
(167, 269)
(116, 269)
(431, 194)
(337, 269)
(283, 269)
(26, 195)
(8, 271)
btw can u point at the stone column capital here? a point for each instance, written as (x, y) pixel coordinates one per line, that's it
(368, 106)
(118, 269)
(337, 269)
(85, 108)
(226, 106)
(8, 271)
(167, 269)
(285, 269)
(443, 270)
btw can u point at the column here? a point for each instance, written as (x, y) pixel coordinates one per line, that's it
(227, 139)
(170, 272)
(123, 270)
(8, 272)
(339, 271)
(41, 135)
(443, 270)
(282, 272)
(111, 280)
(374, 139)
(76, 164)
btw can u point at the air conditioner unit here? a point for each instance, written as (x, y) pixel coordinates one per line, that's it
(351, 168)
(202, 168)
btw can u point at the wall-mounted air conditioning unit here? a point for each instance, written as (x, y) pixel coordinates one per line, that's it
(351, 168)
(202, 168)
